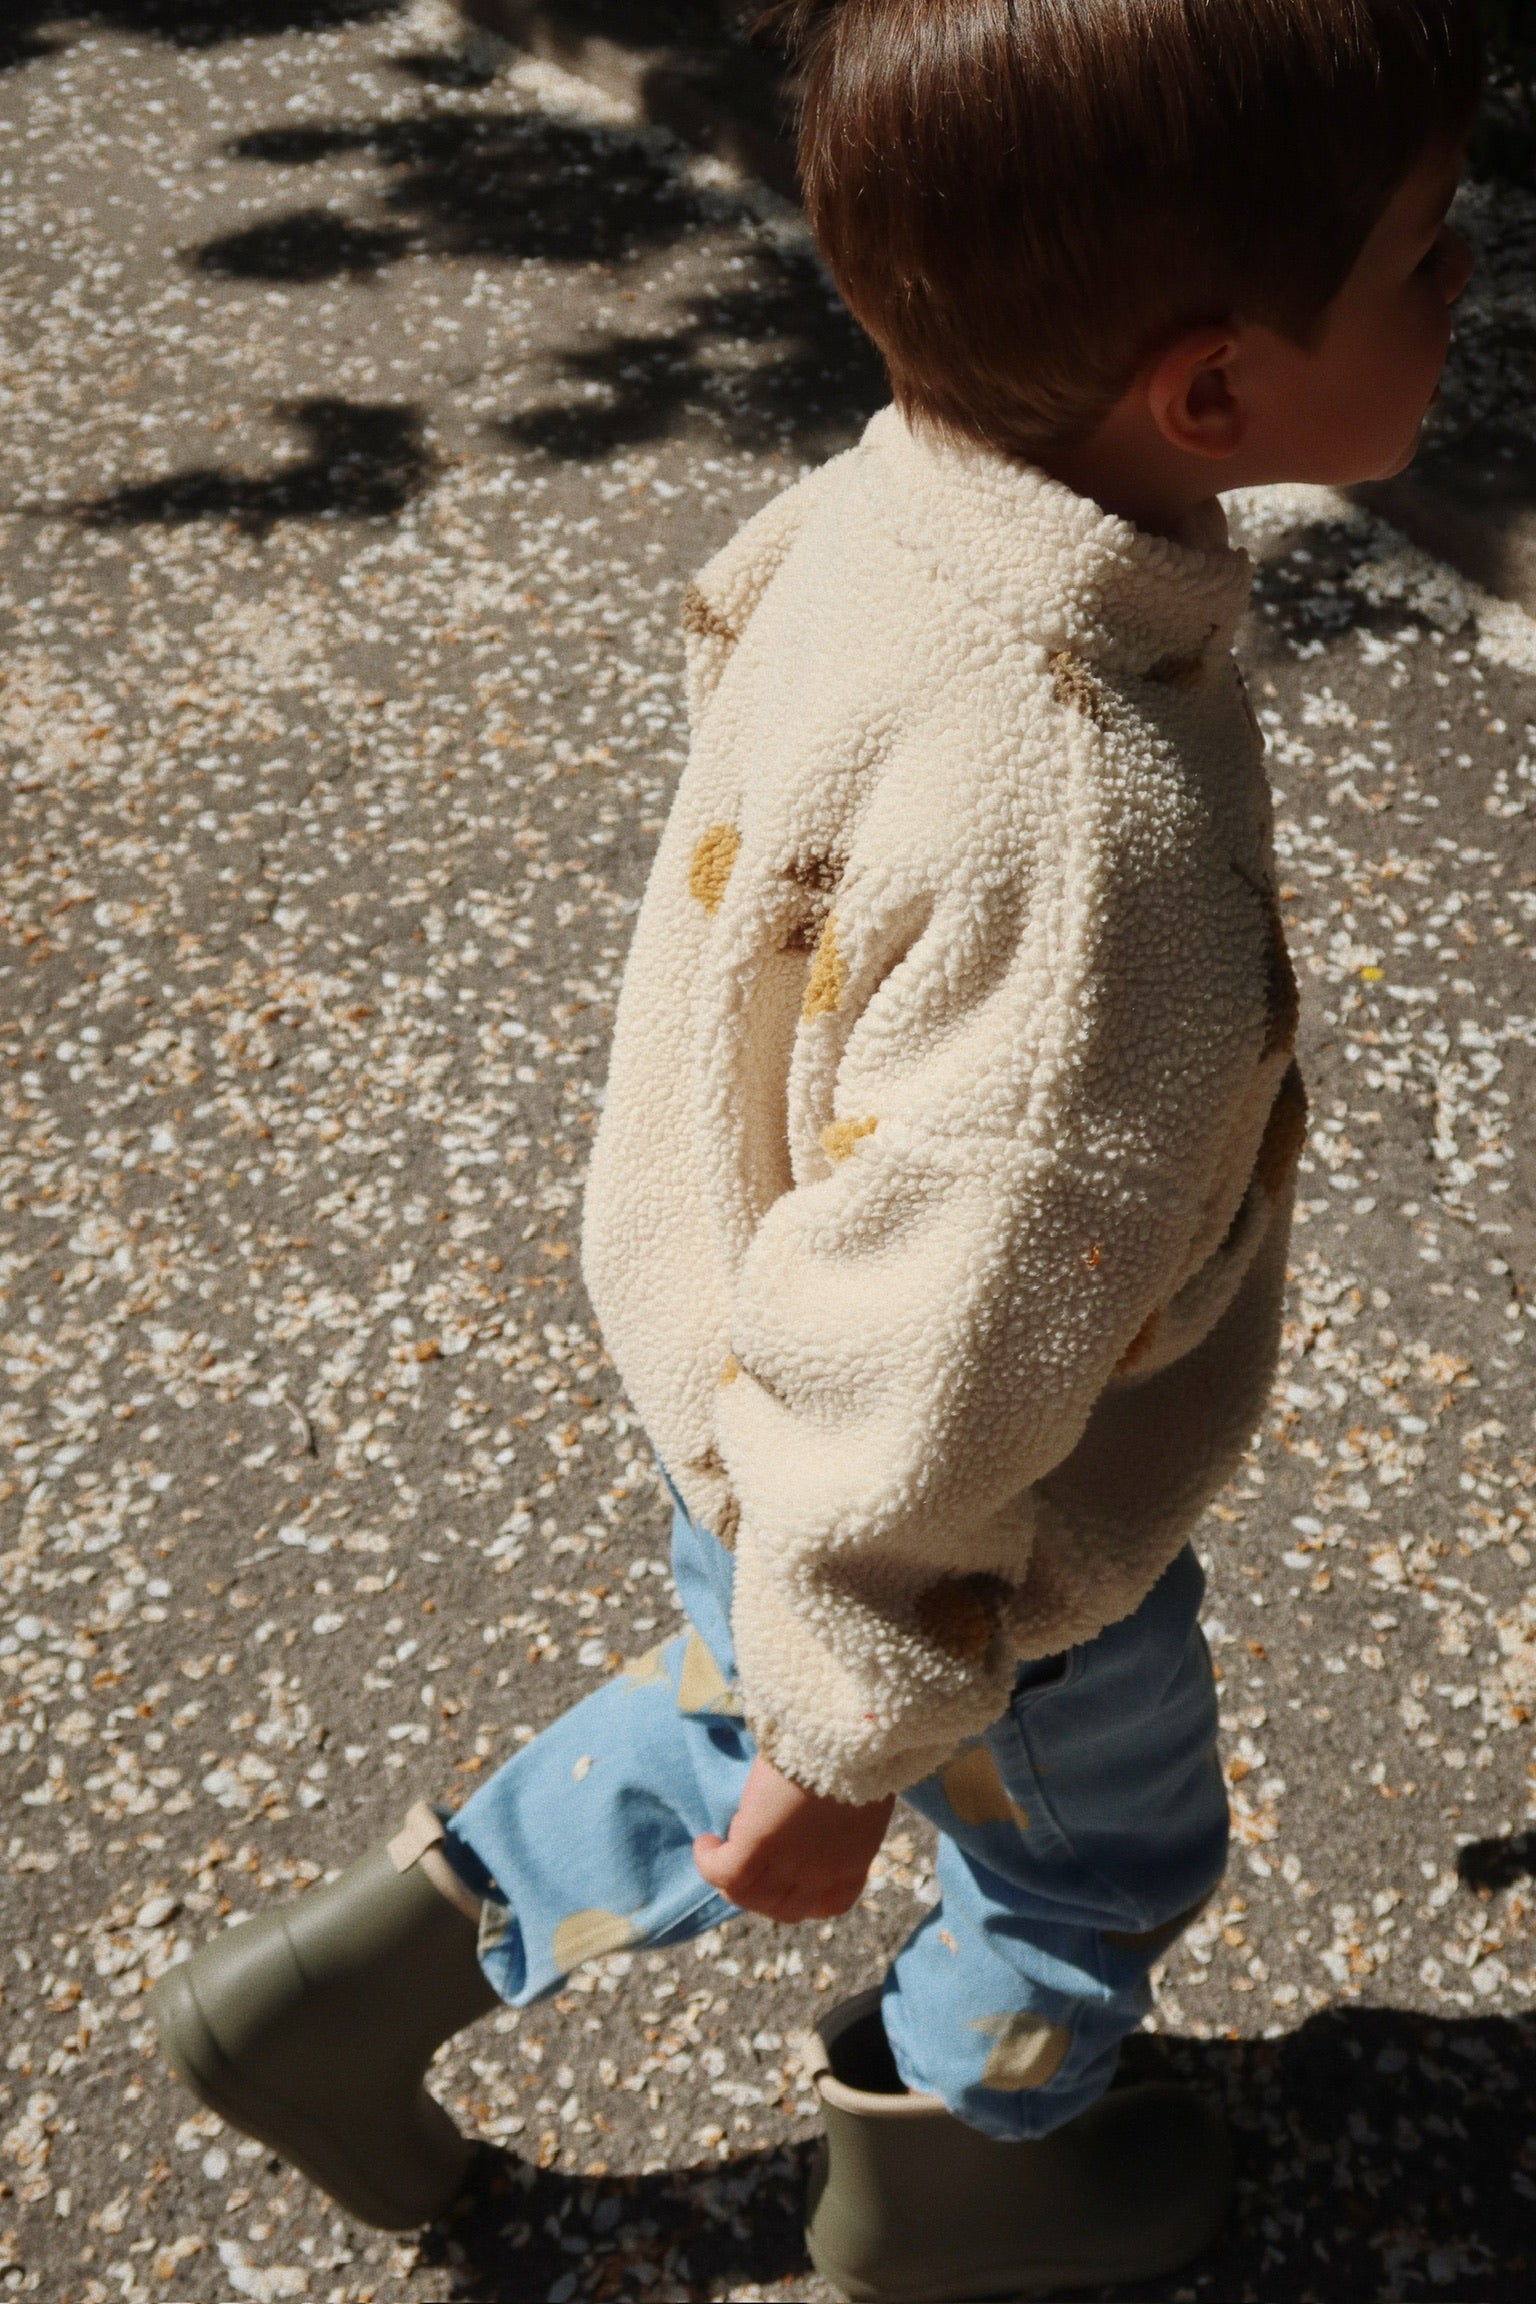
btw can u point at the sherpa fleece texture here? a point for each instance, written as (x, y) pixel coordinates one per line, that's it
(938, 1214)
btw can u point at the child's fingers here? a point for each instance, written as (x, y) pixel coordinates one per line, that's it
(718, 1862)
(768, 1889)
(748, 1884)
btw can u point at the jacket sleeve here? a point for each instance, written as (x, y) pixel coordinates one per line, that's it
(1011, 1101)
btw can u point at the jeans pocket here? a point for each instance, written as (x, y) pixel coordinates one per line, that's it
(1040, 1674)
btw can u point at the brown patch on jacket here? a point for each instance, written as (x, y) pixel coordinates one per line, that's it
(819, 874)
(1074, 685)
(705, 622)
(960, 1615)
(818, 877)
(712, 1463)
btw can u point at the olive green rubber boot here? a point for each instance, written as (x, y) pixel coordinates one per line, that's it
(312, 2028)
(910, 2206)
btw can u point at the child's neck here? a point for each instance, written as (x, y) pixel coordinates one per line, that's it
(1175, 503)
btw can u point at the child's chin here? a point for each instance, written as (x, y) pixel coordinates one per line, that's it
(1390, 468)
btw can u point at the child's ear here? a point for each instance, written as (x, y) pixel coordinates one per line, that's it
(1193, 395)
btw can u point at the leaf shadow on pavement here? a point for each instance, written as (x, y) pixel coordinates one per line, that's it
(513, 185)
(1380, 2153)
(1307, 599)
(774, 357)
(312, 244)
(773, 360)
(364, 463)
(734, 2220)
(25, 34)
(1497, 1863)
(445, 68)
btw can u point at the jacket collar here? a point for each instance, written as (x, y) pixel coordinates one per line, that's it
(1050, 563)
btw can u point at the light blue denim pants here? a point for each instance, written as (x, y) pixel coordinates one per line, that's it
(1076, 1839)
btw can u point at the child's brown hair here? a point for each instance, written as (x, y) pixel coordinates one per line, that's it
(1020, 198)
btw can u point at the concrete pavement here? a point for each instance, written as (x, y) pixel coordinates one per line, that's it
(364, 412)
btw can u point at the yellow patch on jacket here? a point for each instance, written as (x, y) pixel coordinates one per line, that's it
(828, 980)
(839, 1139)
(714, 860)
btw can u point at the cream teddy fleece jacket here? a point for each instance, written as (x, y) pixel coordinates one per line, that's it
(938, 1214)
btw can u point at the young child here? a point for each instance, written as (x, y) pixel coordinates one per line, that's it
(937, 1223)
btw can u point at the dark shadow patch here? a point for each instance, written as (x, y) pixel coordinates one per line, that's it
(645, 25)
(1307, 597)
(19, 44)
(313, 244)
(1380, 2153)
(441, 68)
(777, 360)
(716, 2226)
(365, 463)
(298, 147)
(1503, 142)
(508, 185)
(1488, 1865)
(181, 23)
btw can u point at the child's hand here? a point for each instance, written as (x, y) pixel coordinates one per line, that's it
(790, 1854)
